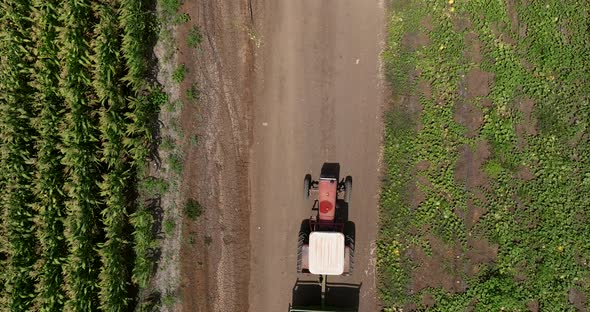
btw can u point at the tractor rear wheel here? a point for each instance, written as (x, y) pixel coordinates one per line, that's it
(306, 186)
(300, 244)
(349, 241)
(347, 188)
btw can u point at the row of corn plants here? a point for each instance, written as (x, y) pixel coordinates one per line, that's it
(77, 119)
(3, 178)
(110, 90)
(135, 20)
(80, 148)
(17, 151)
(49, 179)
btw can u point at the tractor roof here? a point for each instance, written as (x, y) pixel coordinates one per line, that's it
(326, 253)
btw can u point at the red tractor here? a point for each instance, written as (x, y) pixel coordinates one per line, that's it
(326, 239)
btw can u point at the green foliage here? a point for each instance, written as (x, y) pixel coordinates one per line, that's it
(49, 181)
(17, 154)
(535, 221)
(179, 73)
(80, 147)
(137, 28)
(170, 6)
(193, 93)
(173, 106)
(194, 139)
(181, 18)
(154, 186)
(136, 25)
(192, 209)
(169, 226)
(78, 114)
(175, 163)
(168, 144)
(114, 278)
(195, 37)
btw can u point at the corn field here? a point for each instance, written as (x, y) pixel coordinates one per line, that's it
(78, 113)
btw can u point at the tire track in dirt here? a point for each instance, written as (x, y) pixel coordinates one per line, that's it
(318, 98)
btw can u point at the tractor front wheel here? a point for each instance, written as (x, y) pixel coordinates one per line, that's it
(306, 186)
(347, 188)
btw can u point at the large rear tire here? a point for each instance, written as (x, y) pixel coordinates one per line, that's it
(347, 189)
(306, 186)
(349, 237)
(300, 243)
(349, 241)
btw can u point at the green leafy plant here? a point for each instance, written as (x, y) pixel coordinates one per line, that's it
(170, 6)
(175, 163)
(192, 209)
(192, 93)
(169, 226)
(195, 37)
(181, 18)
(528, 170)
(179, 73)
(194, 139)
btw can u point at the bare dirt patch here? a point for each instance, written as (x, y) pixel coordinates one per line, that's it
(474, 47)
(470, 116)
(525, 174)
(461, 23)
(533, 305)
(468, 169)
(578, 299)
(513, 15)
(423, 165)
(415, 195)
(215, 126)
(428, 301)
(425, 89)
(502, 32)
(478, 82)
(442, 269)
(415, 40)
(473, 213)
(416, 189)
(529, 123)
(426, 22)
(485, 102)
(411, 104)
(481, 251)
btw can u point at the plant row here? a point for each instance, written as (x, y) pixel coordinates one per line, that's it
(77, 117)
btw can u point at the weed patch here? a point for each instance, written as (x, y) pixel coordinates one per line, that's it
(492, 96)
(193, 209)
(195, 37)
(179, 73)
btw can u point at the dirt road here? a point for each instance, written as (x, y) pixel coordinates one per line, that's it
(318, 98)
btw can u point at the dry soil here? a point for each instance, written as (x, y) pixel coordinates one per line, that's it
(318, 98)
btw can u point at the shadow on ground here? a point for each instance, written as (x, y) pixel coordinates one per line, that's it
(339, 296)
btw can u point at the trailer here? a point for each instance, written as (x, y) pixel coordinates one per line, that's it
(323, 305)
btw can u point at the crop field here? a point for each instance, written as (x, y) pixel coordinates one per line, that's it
(77, 121)
(485, 201)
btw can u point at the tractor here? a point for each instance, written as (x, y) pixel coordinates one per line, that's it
(326, 240)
